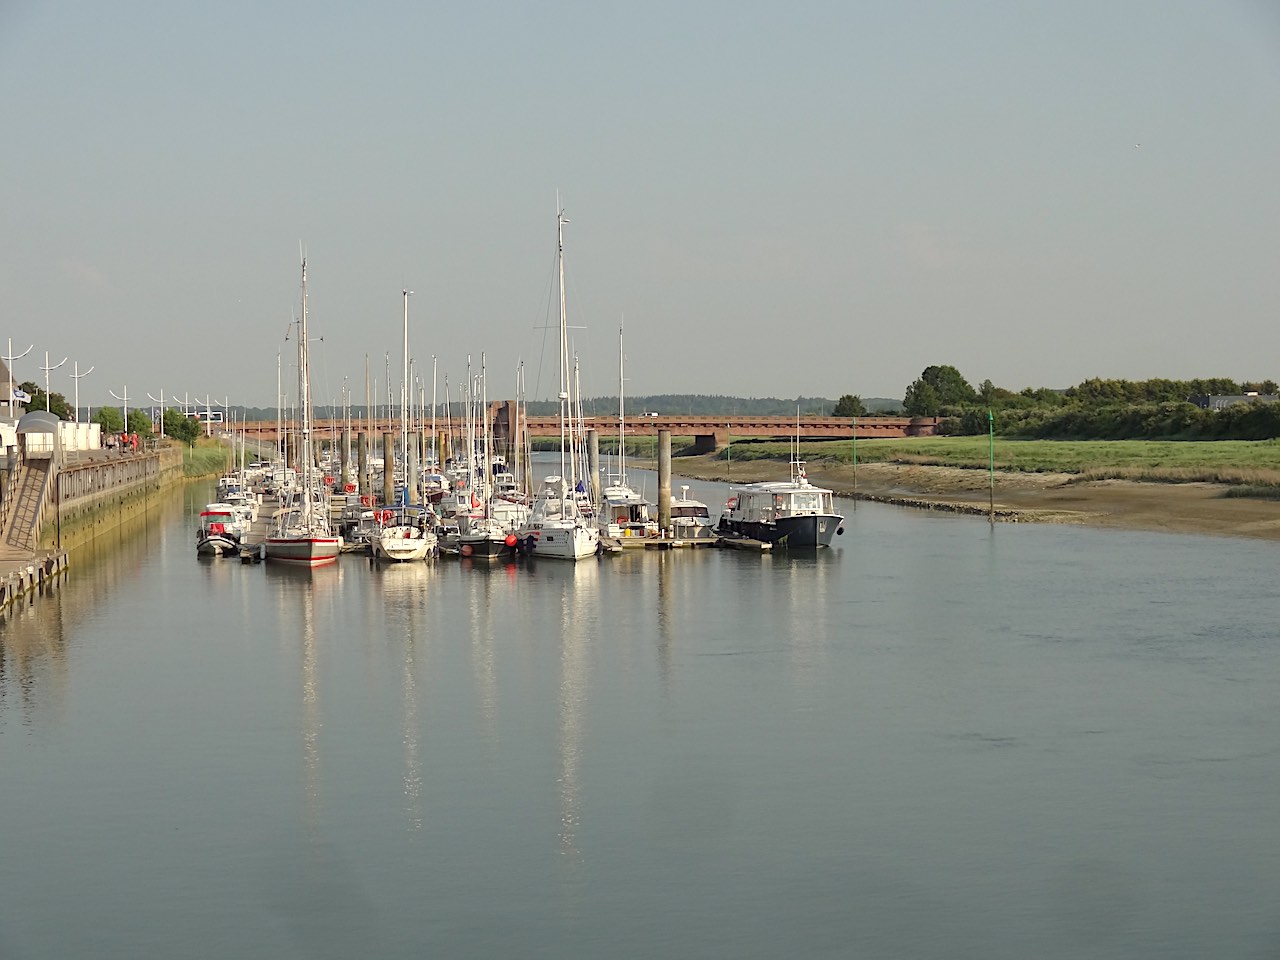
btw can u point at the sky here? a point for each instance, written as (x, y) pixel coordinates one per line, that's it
(775, 199)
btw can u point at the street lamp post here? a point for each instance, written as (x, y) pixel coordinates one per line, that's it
(76, 377)
(125, 401)
(159, 400)
(46, 368)
(8, 359)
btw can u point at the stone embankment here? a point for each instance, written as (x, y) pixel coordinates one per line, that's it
(51, 509)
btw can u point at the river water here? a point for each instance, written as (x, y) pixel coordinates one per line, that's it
(937, 739)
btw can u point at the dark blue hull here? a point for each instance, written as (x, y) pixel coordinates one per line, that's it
(809, 531)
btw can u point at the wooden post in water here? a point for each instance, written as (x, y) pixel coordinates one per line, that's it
(411, 469)
(664, 481)
(991, 447)
(362, 463)
(388, 468)
(344, 458)
(593, 464)
(855, 463)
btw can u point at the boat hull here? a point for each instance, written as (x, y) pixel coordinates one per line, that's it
(807, 531)
(402, 549)
(485, 548)
(303, 551)
(562, 543)
(215, 545)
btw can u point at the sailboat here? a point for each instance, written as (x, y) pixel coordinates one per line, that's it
(556, 526)
(482, 535)
(624, 513)
(301, 535)
(402, 538)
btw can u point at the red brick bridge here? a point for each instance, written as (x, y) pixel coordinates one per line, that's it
(709, 432)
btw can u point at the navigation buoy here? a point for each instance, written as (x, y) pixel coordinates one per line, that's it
(511, 540)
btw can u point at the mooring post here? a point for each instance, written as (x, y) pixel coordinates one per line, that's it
(411, 470)
(664, 481)
(388, 468)
(344, 458)
(593, 464)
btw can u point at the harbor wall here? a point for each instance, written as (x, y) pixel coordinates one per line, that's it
(91, 497)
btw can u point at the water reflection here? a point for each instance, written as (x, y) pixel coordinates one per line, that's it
(299, 591)
(479, 578)
(578, 598)
(101, 584)
(403, 591)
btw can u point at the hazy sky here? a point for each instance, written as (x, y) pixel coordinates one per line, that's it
(780, 198)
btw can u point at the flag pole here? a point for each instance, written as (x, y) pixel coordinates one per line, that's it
(991, 456)
(855, 463)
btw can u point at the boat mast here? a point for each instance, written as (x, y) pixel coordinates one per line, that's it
(622, 421)
(404, 399)
(566, 433)
(304, 401)
(488, 456)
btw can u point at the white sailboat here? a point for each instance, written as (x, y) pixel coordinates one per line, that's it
(403, 539)
(556, 526)
(301, 535)
(624, 513)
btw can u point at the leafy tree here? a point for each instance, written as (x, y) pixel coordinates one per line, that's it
(110, 419)
(850, 405)
(180, 427)
(140, 423)
(921, 400)
(56, 403)
(946, 388)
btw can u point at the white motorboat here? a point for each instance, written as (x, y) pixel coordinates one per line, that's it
(220, 531)
(690, 519)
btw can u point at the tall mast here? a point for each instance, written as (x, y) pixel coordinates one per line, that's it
(404, 399)
(622, 421)
(566, 433)
(488, 455)
(304, 402)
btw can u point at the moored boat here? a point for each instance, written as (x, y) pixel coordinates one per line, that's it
(790, 513)
(690, 519)
(559, 524)
(301, 535)
(219, 532)
(402, 539)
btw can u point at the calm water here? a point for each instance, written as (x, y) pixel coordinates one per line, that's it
(935, 740)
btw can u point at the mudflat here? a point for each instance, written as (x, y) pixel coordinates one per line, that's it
(1201, 508)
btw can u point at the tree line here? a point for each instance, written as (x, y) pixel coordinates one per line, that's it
(1098, 409)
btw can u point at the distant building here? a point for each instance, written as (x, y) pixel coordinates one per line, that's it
(1224, 401)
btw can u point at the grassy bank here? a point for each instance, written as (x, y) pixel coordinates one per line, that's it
(1246, 462)
(205, 459)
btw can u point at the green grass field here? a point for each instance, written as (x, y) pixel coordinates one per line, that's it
(1220, 461)
(205, 460)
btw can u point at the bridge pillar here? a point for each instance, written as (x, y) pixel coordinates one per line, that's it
(709, 442)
